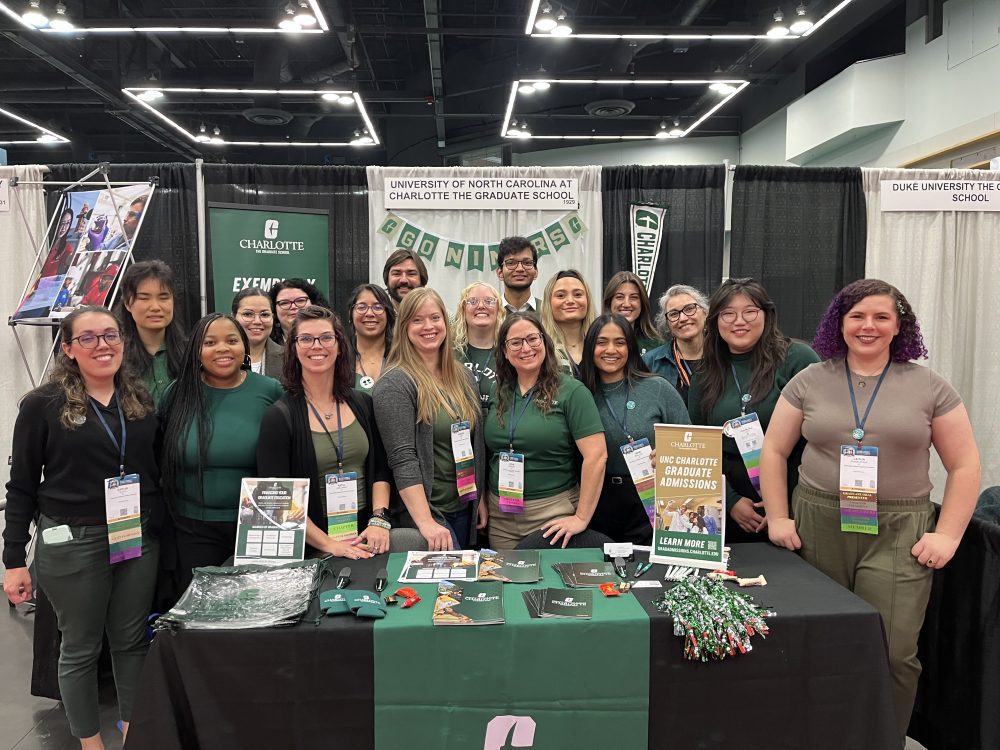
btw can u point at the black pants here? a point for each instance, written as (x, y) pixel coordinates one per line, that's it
(201, 544)
(620, 514)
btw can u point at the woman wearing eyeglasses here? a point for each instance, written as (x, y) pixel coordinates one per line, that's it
(372, 321)
(477, 321)
(287, 298)
(683, 311)
(625, 295)
(323, 428)
(252, 308)
(539, 418)
(431, 425)
(211, 418)
(567, 312)
(74, 439)
(747, 361)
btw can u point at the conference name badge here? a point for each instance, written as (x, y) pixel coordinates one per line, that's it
(121, 504)
(859, 489)
(749, 437)
(342, 506)
(465, 461)
(637, 457)
(511, 482)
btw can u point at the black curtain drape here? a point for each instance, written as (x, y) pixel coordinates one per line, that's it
(342, 190)
(801, 232)
(169, 229)
(692, 242)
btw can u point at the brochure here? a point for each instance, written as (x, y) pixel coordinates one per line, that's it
(467, 603)
(585, 575)
(271, 526)
(512, 566)
(561, 603)
(428, 567)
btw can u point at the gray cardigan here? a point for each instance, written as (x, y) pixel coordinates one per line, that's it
(409, 445)
(274, 359)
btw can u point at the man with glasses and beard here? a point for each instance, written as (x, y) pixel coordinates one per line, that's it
(517, 268)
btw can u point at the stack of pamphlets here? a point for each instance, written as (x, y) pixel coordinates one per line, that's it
(559, 603)
(430, 567)
(512, 566)
(585, 575)
(467, 603)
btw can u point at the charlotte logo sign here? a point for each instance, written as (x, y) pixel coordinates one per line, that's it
(257, 246)
(646, 223)
(520, 730)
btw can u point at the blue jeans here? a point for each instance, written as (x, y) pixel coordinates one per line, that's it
(459, 524)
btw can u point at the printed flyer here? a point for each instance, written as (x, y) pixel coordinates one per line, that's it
(271, 526)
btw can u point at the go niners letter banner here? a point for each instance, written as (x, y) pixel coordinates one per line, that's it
(257, 246)
(454, 218)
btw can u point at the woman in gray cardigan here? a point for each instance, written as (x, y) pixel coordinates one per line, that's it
(252, 308)
(429, 417)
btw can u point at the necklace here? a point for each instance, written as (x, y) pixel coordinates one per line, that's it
(613, 386)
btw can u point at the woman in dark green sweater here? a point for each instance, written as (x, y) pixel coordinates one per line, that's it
(211, 419)
(747, 361)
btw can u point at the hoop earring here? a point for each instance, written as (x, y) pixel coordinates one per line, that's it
(247, 362)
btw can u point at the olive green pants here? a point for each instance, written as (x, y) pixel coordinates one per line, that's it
(878, 568)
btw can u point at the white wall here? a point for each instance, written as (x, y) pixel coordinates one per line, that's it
(710, 150)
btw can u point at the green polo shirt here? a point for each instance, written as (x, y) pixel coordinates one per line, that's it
(548, 441)
(480, 363)
(157, 377)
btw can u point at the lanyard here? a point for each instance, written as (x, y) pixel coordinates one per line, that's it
(513, 422)
(107, 429)
(684, 369)
(340, 435)
(744, 397)
(362, 366)
(624, 420)
(858, 433)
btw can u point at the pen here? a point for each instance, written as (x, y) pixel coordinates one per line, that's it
(641, 568)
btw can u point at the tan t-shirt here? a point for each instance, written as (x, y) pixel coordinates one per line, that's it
(899, 424)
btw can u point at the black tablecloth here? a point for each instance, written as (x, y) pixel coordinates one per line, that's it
(820, 679)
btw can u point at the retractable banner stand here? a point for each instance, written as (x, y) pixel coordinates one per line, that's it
(257, 246)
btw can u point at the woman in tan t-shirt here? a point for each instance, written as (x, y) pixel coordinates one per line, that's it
(868, 392)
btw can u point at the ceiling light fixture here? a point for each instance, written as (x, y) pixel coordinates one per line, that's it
(676, 131)
(288, 23)
(562, 27)
(202, 136)
(512, 131)
(33, 16)
(546, 21)
(47, 138)
(362, 138)
(662, 132)
(525, 133)
(542, 84)
(304, 16)
(779, 29)
(801, 24)
(216, 138)
(721, 87)
(61, 22)
(151, 95)
(526, 89)
(45, 135)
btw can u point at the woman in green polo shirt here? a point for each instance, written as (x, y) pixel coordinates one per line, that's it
(539, 419)
(211, 418)
(477, 321)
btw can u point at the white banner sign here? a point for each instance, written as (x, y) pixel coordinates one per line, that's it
(940, 195)
(4, 194)
(647, 228)
(482, 193)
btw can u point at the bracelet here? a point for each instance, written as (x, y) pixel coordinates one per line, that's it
(380, 523)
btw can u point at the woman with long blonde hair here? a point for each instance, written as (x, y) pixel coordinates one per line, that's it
(567, 312)
(477, 322)
(423, 399)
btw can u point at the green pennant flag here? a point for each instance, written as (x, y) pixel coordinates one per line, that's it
(408, 237)
(538, 240)
(453, 255)
(427, 246)
(493, 251)
(474, 260)
(390, 225)
(557, 236)
(575, 224)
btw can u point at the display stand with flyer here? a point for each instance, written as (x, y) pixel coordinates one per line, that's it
(271, 524)
(89, 243)
(690, 521)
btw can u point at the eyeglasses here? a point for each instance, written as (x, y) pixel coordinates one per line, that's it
(476, 301)
(532, 340)
(297, 303)
(364, 307)
(749, 315)
(90, 340)
(688, 310)
(306, 341)
(510, 264)
(247, 316)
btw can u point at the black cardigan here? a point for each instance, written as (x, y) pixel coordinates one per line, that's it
(285, 449)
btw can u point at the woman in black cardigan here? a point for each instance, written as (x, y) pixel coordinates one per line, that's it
(322, 427)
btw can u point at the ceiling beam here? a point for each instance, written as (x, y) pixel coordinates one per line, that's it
(437, 82)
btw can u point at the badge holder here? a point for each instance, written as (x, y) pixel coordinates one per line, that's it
(342, 506)
(465, 462)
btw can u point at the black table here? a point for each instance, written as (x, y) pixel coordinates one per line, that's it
(820, 679)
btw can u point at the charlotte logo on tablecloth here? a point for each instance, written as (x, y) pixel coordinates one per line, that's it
(472, 256)
(501, 728)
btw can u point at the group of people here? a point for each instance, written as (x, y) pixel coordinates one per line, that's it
(504, 419)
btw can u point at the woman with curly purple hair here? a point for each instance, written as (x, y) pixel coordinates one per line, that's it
(869, 394)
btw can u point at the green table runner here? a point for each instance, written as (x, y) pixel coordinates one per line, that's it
(584, 683)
